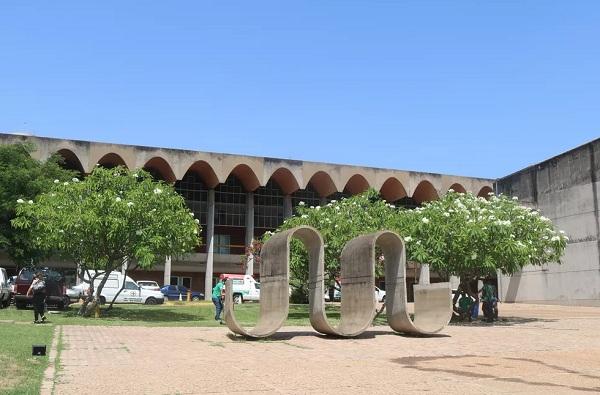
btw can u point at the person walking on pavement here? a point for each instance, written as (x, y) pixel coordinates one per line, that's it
(38, 289)
(217, 294)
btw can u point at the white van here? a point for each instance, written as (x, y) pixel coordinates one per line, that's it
(5, 289)
(245, 288)
(131, 293)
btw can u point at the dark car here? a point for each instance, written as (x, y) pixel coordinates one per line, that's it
(55, 288)
(172, 292)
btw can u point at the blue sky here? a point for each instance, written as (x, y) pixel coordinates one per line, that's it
(475, 88)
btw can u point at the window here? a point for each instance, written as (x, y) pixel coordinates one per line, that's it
(230, 203)
(195, 193)
(309, 196)
(131, 285)
(268, 206)
(222, 244)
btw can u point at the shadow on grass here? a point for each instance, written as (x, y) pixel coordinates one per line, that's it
(152, 315)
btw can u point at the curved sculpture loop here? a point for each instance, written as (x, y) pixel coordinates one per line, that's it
(433, 308)
(433, 302)
(274, 281)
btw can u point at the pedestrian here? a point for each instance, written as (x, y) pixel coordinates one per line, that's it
(38, 290)
(217, 294)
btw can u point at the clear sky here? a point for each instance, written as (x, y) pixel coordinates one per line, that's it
(476, 88)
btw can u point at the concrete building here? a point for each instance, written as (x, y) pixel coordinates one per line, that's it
(565, 189)
(238, 198)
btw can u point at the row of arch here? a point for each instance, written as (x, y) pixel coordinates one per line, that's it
(321, 182)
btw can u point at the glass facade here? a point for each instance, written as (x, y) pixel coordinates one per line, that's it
(268, 206)
(195, 194)
(309, 196)
(230, 203)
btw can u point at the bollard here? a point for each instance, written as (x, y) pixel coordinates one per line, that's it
(189, 295)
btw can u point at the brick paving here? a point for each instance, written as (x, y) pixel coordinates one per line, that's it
(539, 349)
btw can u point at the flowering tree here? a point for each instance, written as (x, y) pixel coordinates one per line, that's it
(338, 222)
(22, 177)
(459, 234)
(472, 237)
(110, 217)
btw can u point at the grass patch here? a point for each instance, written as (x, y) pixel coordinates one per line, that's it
(199, 314)
(21, 372)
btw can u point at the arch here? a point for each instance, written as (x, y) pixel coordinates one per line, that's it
(456, 187)
(322, 183)
(392, 190)
(484, 192)
(286, 180)
(356, 184)
(206, 173)
(425, 192)
(111, 160)
(246, 175)
(71, 161)
(160, 169)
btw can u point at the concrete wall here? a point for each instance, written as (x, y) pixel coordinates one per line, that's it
(565, 189)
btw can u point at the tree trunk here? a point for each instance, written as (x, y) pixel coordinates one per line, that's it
(118, 293)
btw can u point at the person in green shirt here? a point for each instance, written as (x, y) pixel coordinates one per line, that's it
(217, 293)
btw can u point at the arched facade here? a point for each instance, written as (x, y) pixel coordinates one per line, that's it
(246, 195)
(71, 161)
(160, 169)
(425, 192)
(111, 160)
(456, 187)
(392, 190)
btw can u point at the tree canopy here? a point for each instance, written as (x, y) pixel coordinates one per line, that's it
(459, 234)
(22, 177)
(473, 237)
(110, 216)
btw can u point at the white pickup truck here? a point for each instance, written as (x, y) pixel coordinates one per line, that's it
(245, 288)
(131, 293)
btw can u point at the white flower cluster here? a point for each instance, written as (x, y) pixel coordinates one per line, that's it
(425, 220)
(157, 191)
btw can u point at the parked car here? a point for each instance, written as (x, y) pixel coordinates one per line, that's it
(55, 288)
(150, 285)
(77, 292)
(131, 293)
(337, 295)
(172, 292)
(379, 295)
(5, 289)
(245, 288)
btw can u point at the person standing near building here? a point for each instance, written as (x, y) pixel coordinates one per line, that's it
(38, 289)
(217, 298)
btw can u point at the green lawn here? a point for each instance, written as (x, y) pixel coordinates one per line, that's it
(20, 373)
(172, 314)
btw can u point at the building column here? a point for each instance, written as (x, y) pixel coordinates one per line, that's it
(249, 231)
(287, 206)
(424, 274)
(167, 274)
(210, 233)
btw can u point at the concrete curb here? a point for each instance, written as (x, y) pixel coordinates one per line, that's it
(48, 380)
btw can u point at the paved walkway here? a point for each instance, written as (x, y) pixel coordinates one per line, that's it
(539, 349)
